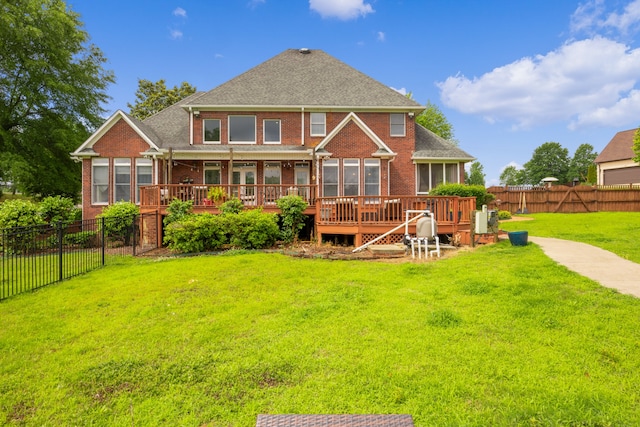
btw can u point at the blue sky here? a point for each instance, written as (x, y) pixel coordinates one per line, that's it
(508, 75)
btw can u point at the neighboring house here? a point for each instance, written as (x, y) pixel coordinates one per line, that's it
(615, 163)
(302, 120)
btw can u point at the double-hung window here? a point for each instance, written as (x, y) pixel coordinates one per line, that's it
(242, 129)
(211, 129)
(122, 180)
(318, 124)
(271, 131)
(330, 178)
(371, 177)
(397, 124)
(351, 177)
(144, 175)
(100, 181)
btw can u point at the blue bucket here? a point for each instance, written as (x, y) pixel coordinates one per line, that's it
(518, 238)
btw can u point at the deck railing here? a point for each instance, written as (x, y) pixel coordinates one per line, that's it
(159, 196)
(391, 209)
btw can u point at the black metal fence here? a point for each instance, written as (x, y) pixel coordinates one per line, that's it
(33, 257)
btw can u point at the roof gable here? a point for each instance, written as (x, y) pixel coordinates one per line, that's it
(305, 78)
(383, 149)
(619, 148)
(144, 131)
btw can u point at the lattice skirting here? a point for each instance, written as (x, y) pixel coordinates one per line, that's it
(391, 239)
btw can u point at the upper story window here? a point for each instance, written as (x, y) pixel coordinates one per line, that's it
(211, 128)
(397, 124)
(122, 178)
(318, 124)
(100, 181)
(242, 129)
(271, 130)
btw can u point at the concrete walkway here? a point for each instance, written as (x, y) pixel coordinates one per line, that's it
(604, 267)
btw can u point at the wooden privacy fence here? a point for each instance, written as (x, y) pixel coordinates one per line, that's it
(564, 199)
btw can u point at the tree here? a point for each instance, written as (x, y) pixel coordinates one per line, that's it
(433, 119)
(549, 159)
(636, 146)
(52, 88)
(512, 176)
(476, 174)
(583, 157)
(153, 97)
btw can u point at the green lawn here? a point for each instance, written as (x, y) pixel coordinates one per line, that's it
(617, 232)
(498, 336)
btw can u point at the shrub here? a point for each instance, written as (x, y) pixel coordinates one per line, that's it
(253, 229)
(119, 220)
(462, 190)
(196, 233)
(15, 215)
(54, 209)
(178, 210)
(292, 217)
(504, 215)
(83, 239)
(232, 206)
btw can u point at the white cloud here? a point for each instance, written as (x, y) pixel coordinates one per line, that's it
(175, 34)
(341, 9)
(381, 36)
(178, 11)
(578, 82)
(402, 90)
(592, 16)
(255, 3)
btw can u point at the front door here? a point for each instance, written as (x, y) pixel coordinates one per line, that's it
(302, 178)
(243, 182)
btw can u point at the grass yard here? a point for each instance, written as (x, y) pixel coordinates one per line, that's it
(498, 336)
(617, 232)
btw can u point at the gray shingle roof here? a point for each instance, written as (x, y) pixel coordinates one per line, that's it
(171, 125)
(297, 79)
(431, 146)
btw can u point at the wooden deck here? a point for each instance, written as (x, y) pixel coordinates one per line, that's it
(362, 218)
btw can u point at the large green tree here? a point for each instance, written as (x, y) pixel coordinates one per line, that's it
(153, 97)
(583, 158)
(434, 120)
(52, 88)
(476, 174)
(511, 175)
(549, 159)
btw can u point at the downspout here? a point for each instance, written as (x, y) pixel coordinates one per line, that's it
(190, 126)
(302, 119)
(389, 175)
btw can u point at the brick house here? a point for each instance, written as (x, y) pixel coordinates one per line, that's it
(302, 122)
(615, 163)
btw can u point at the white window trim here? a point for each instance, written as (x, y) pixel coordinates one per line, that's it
(351, 163)
(101, 163)
(229, 129)
(124, 161)
(312, 122)
(404, 124)
(264, 131)
(204, 140)
(207, 166)
(376, 163)
(332, 163)
(143, 163)
(272, 165)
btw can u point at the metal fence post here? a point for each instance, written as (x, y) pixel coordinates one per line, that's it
(133, 232)
(102, 237)
(59, 233)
